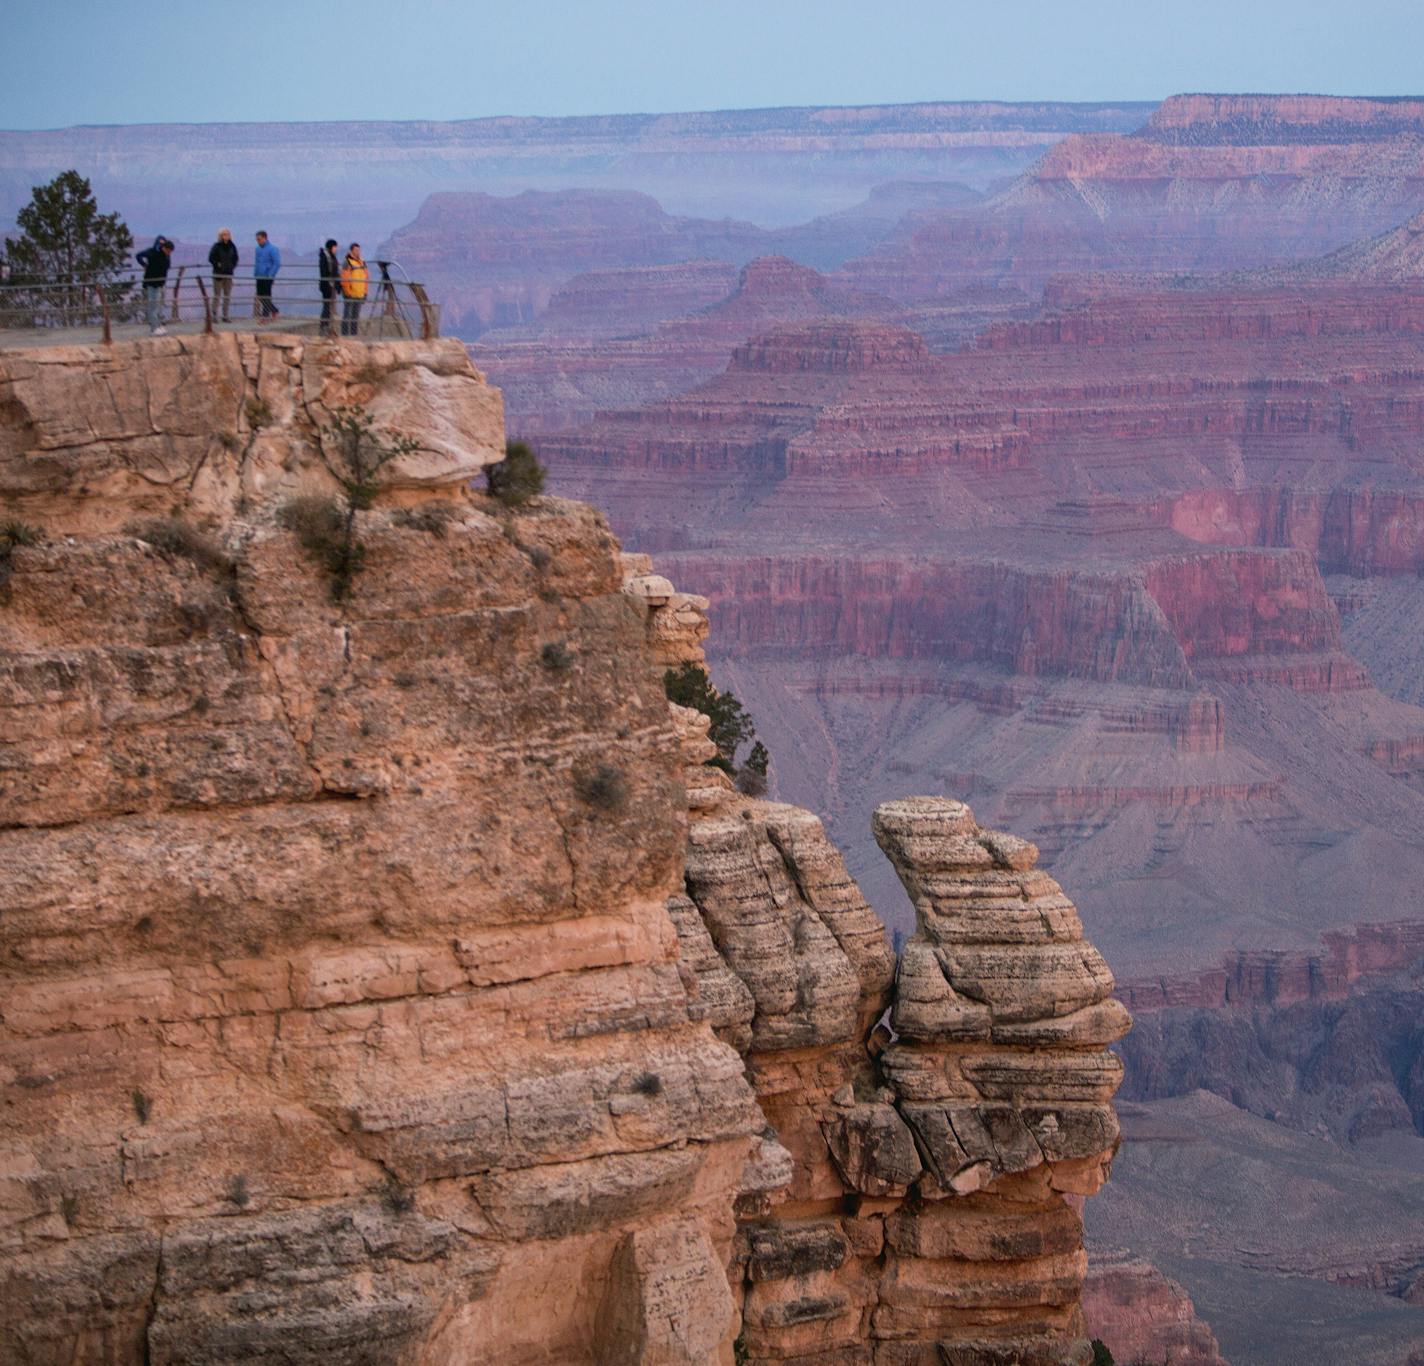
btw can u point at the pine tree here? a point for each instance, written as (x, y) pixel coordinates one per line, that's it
(64, 240)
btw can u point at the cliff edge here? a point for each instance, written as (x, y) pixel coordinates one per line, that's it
(384, 976)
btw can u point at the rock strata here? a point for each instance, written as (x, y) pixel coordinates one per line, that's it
(341, 1016)
(387, 977)
(932, 1151)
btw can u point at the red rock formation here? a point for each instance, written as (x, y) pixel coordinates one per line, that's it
(1278, 120)
(494, 260)
(378, 952)
(342, 1016)
(552, 381)
(1142, 1315)
(775, 165)
(1261, 978)
(1210, 183)
(1096, 538)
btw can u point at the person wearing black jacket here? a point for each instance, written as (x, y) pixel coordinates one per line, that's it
(222, 257)
(329, 269)
(154, 261)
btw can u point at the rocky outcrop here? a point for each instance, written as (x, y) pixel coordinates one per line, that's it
(214, 428)
(1142, 1315)
(341, 1016)
(921, 1214)
(387, 978)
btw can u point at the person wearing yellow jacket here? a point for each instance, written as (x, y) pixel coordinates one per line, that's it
(354, 276)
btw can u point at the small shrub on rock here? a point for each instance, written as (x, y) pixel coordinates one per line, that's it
(143, 1106)
(518, 477)
(732, 725)
(397, 1197)
(321, 527)
(648, 1084)
(555, 657)
(434, 518)
(603, 786)
(258, 413)
(179, 539)
(12, 535)
(237, 1192)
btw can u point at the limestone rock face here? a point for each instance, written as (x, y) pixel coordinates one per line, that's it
(92, 438)
(925, 1213)
(341, 1016)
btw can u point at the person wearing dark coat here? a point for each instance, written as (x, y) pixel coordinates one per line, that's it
(222, 257)
(154, 261)
(329, 269)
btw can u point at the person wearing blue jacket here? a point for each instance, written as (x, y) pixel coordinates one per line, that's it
(266, 262)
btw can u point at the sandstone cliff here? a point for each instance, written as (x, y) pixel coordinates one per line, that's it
(930, 1153)
(342, 1017)
(369, 994)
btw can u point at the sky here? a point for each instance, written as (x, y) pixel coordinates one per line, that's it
(116, 61)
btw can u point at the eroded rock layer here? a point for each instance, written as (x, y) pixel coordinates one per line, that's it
(931, 1151)
(385, 976)
(342, 1018)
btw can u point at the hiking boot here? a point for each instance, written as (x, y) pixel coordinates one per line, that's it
(159, 332)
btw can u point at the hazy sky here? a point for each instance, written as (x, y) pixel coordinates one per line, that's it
(116, 61)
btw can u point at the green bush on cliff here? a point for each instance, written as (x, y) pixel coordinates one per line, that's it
(518, 477)
(731, 728)
(356, 454)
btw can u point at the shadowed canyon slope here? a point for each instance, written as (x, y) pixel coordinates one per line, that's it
(387, 978)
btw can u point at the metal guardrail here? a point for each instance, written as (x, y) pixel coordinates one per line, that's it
(394, 307)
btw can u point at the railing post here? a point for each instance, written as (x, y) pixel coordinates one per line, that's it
(104, 308)
(207, 308)
(423, 303)
(177, 284)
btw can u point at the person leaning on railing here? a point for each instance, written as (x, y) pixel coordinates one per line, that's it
(265, 265)
(354, 276)
(222, 257)
(154, 261)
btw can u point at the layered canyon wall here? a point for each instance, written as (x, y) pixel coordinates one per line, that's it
(387, 977)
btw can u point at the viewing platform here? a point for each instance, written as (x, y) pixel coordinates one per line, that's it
(395, 308)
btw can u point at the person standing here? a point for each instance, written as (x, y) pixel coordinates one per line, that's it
(329, 270)
(154, 261)
(354, 276)
(265, 265)
(222, 257)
